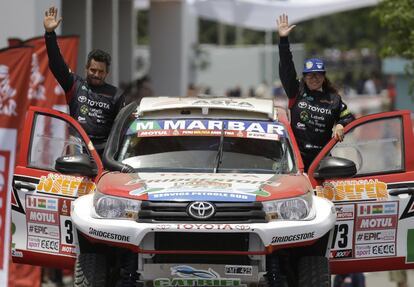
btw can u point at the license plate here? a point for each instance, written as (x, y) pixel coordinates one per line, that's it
(238, 270)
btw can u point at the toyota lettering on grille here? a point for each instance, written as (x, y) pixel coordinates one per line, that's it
(201, 210)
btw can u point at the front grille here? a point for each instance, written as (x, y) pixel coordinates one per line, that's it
(204, 242)
(240, 212)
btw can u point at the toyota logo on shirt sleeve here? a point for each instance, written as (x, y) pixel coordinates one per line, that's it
(201, 210)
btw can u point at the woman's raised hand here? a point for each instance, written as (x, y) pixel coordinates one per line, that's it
(283, 25)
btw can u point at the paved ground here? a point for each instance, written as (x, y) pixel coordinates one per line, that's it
(374, 279)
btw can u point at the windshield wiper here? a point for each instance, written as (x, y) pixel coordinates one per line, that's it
(219, 155)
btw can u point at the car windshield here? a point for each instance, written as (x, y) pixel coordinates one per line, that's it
(207, 146)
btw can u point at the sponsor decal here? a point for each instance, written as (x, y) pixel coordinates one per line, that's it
(226, 102)
(410, 246)
(304, 116)
(108, 235)
(68, 249)
(202, 188)
(304, 105)
(375, 250)
(17, 253)
(378, 208)
(344, 212)
(185, 275)
(341, 254)
(238, 270)
(84, 109)
(300, 126)
(65, 185)
(7, 92)
(43, 230)
(409, 210)
(41, 202)
(64, 206)
(47, 217)
(375, 236)
(82, 99)
(98, 104)
(294, 237)
(353, 190)
(201, 196)
(342, 239)
(376, 223)
(208, 226)
(187, 177)
(43, 244)
(206, 128)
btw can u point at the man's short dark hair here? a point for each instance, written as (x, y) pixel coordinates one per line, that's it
(99, 56)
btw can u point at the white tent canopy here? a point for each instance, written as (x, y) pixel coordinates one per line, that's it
(262, 14)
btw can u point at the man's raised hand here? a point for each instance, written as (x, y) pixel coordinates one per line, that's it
(51, 22)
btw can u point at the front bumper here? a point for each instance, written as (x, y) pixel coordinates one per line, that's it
(138, 236)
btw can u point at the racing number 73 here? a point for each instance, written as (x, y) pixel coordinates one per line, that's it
(340, 233)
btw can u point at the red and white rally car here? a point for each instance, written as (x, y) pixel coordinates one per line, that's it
(211, 192)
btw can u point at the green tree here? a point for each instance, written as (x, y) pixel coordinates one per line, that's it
(346, 30)
(397, 19)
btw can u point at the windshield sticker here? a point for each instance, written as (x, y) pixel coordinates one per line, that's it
(246, 129)
(350, 190)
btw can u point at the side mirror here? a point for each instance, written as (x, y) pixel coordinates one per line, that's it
(76, 164)
(335, 167)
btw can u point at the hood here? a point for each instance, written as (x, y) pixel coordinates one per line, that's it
(201, 186)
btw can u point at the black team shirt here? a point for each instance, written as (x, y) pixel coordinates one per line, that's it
(313, 113)
(94, 107)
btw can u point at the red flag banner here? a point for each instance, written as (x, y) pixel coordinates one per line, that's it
(44, 90)
(14, 75)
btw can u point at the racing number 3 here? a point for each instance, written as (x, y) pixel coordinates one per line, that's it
(69, 231)
(340, 234)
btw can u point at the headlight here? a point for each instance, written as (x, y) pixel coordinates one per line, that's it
(115, 207)
(298, 208)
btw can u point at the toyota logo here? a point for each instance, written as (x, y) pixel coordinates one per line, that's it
(302, 105)
(201, 210)
(82, 99)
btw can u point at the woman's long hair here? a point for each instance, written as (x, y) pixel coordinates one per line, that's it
(327, 87)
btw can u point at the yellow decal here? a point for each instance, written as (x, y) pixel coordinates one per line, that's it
(353, 190)
(65, 185)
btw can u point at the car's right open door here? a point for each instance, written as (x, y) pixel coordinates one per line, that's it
(375, 207)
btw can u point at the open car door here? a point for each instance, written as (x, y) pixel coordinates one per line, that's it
(42, 230)
(375, 207)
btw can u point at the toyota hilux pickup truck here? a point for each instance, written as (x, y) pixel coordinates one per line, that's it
(212, 192)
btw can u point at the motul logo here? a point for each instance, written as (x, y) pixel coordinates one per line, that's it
(42, 217)
(376, 223)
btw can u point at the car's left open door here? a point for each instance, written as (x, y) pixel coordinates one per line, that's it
(42, 231)
(375, 207)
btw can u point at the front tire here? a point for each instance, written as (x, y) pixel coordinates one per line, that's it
(314, 271)
(91, 270)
